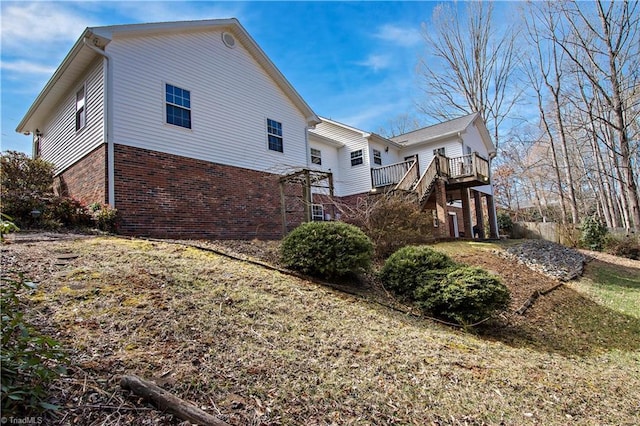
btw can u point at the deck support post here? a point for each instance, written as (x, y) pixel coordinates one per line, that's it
(493, 220)
(466, 213)
(441, 224)
(477, 201)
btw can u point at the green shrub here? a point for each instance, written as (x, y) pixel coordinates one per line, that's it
(26, 185)
(6, 226)
(104, 216)
(66, 211)
(466, 295)
(327, 249)
(593, 233)
(29, 360)
(505, 223)
(412, 267)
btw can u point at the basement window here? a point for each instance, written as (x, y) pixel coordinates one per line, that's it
(317, 212)
(178, 106)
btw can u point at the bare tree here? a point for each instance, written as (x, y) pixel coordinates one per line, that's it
(543, 26)
(402, 123)
(468, 67)
(604, 48)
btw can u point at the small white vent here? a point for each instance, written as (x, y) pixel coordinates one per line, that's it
(229, 40)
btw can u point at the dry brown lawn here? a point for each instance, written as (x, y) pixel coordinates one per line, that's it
(256, 346)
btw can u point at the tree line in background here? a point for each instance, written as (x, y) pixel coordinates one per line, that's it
(559, 89)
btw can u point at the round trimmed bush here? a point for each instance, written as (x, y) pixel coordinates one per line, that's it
(466, 295)
(327, 249)
(412, 267)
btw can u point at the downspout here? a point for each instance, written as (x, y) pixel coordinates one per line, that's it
(111, 197)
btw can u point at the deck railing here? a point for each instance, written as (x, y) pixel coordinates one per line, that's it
(409, 179)
(437, 167)
(468, 165)
(390, 175)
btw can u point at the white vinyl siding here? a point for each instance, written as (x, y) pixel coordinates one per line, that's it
(61, 144)
(231, 98)
(347, 180)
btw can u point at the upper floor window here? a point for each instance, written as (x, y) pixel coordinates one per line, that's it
(356, 158)
(316, 156)
(377, 157)
(274, 134)
(439, 151)
(81, 110)
(178, 103)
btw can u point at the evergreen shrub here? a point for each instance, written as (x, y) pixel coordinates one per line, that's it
(593, 234)
(412, 267)
(466, 295)
(327, 249)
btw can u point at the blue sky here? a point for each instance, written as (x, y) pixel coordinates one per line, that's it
(351, 61)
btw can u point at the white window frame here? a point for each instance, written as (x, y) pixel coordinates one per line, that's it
(277, 133)
(442, 151)
(176, 105)
(81, 108)
(358, 156)
(377, 157)
(316, 156)
(317, 212)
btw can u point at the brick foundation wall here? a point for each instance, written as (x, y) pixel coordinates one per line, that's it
(167, 196)
(86, 180)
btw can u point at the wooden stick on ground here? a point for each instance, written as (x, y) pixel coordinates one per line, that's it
(171, 403)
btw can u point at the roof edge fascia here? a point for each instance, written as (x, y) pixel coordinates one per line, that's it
(79, 44)
(324, 139)
(486, 136)
(438, 138)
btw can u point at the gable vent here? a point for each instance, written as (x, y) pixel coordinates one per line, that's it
(228, 40)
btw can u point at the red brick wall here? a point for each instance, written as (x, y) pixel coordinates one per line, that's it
(168, 196)
(86, 180)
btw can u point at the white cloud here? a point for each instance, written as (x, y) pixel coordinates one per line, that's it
(26, 24)
(376, 62)
(26, 67)
(399, 35)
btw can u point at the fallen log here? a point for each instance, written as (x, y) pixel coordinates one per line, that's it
(167, 402)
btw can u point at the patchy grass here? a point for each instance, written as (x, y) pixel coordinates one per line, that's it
(613, 286)
(263, 348)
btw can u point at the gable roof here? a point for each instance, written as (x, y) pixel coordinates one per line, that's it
(367, 135)
(84, 52)
(447, 129)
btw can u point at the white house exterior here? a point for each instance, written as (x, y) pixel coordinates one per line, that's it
(189, 130)
(184, 127)
(381, 163)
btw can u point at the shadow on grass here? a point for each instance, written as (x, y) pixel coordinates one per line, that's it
(612, 275)
(567, 322)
